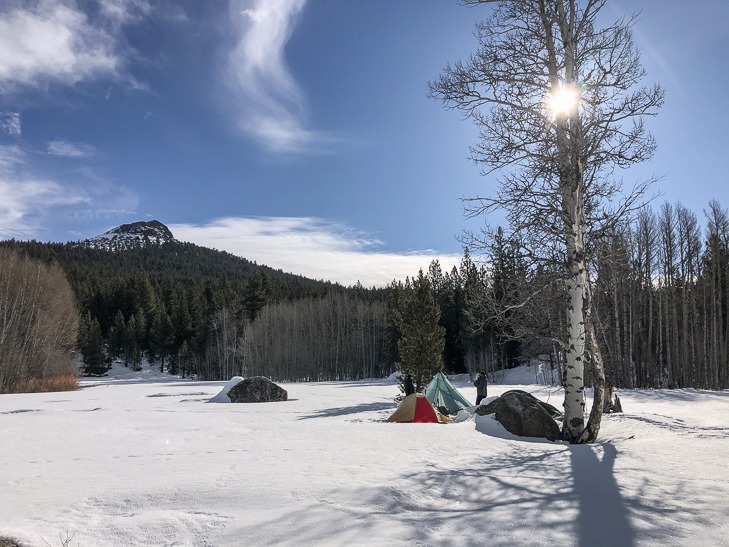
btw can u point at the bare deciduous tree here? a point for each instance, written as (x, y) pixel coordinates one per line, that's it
(38, 321)
(559, 107)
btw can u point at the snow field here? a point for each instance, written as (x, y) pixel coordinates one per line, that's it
(144, 459)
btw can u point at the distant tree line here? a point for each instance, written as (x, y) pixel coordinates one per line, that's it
(663, 300)
(661, 295)
(206, 314)
(200, 313)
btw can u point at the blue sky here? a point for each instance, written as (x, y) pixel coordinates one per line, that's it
(295, 133)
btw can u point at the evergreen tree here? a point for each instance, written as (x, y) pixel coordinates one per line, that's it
(508, 281)
(447, 293)
(116, 335)
(91, 345)
(141, 333)
(422, 339)
(161, 336)
(132, 353)
(392, 323)
(184, 359)
(256, 295)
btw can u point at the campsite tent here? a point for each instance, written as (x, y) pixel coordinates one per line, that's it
(442, 395)
(415, 408)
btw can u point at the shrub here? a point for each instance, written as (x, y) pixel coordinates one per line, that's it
(45, 385)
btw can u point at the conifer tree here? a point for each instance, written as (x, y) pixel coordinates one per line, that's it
(256, 295)
(422, 339)
(132, 354)
(184, 360)
(161, 336)
(91, 345)
(116, 335)
(392, 323)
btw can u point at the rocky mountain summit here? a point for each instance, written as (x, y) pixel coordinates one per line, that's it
(130, 236)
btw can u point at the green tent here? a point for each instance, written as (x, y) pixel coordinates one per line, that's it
(443, 396)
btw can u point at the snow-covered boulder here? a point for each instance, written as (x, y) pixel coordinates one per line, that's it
(222, 397)
(258, 389)
(523, 414)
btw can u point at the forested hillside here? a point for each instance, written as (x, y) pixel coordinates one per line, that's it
(182, 305)
(200, 312)
(661, 299)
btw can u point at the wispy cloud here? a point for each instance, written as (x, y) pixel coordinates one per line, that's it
(313, 247)
(70, 150)
(272, 107)
(28, 199)
(121, 12)
(10, 156)
(10, 123)
(23, 203)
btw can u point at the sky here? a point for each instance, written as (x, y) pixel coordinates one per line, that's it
(296, 133)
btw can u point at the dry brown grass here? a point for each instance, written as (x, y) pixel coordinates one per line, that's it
(45, 385)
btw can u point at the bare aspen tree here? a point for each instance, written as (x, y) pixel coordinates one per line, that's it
(667, 316)
(717, 274)
(334, 337)
(38, 321)
(558, 105)
(689, 254)
(646, 238)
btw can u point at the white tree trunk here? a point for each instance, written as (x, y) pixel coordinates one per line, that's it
(574, 397)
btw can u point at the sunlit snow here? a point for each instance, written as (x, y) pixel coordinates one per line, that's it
(147, 459)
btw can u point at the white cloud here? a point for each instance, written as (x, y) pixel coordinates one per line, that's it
(54, 41)
(121, 12)
(10, 156)
(10, 123)
(28, 200)
(272, 105)
(23, 202)
(312, 247)
(70, 150)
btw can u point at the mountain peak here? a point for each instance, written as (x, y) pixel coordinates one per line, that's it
(130, 236)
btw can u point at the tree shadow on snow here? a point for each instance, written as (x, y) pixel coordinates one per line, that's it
(603, 513)
(346, 410)
(517, 498)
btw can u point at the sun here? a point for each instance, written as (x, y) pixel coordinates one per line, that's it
(563, 100)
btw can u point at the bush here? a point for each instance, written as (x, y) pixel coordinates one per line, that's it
(45, 385)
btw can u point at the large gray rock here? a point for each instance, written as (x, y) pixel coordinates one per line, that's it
(258, 389)
(523, 414)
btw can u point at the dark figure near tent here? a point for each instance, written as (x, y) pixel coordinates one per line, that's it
(408, 385)
(482, 385)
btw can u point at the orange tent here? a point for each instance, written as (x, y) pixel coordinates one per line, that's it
(415, 408)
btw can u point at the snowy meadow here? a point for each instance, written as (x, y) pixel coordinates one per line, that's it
(148, 459)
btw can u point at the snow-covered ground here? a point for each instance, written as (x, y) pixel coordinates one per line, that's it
(144, 459)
